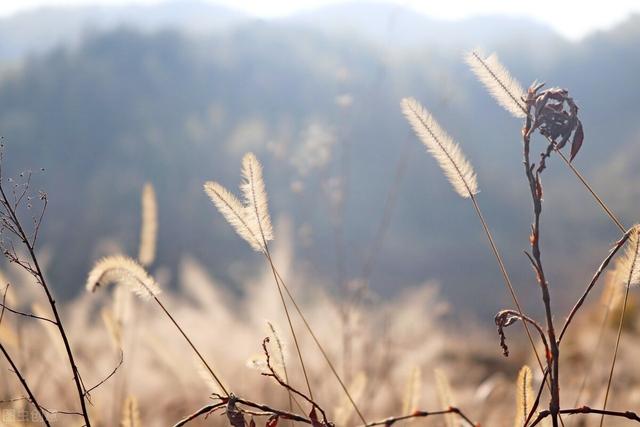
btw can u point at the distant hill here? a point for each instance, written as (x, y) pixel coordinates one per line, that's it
(43, 28)
(125, 106)
(381, 23)
(395, 26)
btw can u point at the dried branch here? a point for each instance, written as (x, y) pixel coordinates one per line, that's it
(273, 374)
(587, 410)
(423, 414)
(205, 410)
(16, 370)
(10, 216)
(535, 187)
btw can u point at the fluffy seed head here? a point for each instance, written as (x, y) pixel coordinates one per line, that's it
(149, 229)
(630, 263)
(122, 270)
(249, 218)
(446, 152)
(504, 88)
(524, 396)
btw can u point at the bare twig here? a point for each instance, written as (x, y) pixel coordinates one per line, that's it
(202, 411)
(32, 316)
(535, 186)
(10, 214)
(423, 414)
(111, 374)
(587, 410)
(16, 370)
(272, 373)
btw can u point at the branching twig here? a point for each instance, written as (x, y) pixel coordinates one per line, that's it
(16, 370)
(10, 215)
(272, 373)
(423, 414)
(587, 410)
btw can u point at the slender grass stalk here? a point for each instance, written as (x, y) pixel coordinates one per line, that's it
(461, 175)
(615, 353)
(321, 348)
(631, 263)
(256, 199)
(593, 193)
(251, 221)
(124, 270)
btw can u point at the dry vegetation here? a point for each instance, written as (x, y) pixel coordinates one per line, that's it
(285, 351)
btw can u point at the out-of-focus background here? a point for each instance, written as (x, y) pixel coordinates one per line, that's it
(106, 96)
(98, 98)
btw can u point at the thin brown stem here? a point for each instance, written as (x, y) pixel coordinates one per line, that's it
(29, 315)
(535, 186)
(593, 282)
(594, 353)
(39, 276)
(16, 370)
(587, 410)
(584, 182)
(202, 411)
(423, 414)
(505, 276)
(272, 373)
(289, 322)
(615, 351)
(192, 345)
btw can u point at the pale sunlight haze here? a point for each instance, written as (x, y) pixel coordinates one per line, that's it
(572, 19)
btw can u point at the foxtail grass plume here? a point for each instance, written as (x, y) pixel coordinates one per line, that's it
(113, 328)
(630, 264)
(250, 219)
(344, 411)
(612, 292)
(412, 392)
(446, 152)
(524, 396)
(122, 270)
(504, 88)
(149, 229)
(130, 413)
(255, 196)
(279, 346)
(8, 337)
(445, 396)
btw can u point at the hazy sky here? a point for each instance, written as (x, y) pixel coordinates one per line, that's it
(569, 17)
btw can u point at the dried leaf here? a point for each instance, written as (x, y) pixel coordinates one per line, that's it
(272, 421)
(578, 137)
(235, 416)
(313, 416)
